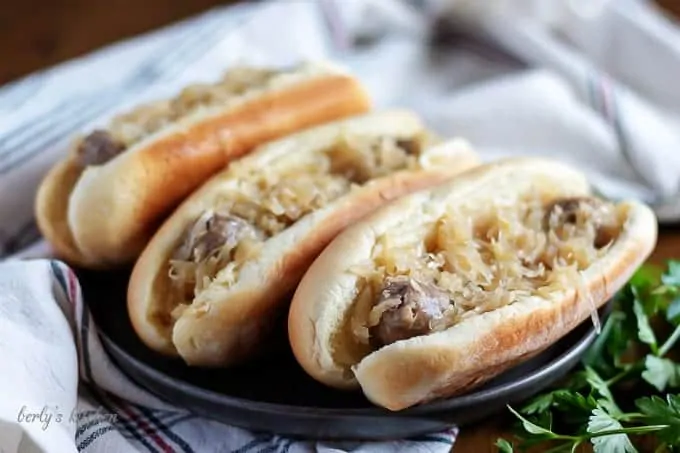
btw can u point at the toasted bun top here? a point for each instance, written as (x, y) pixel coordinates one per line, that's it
(318, 310)
(280, 81)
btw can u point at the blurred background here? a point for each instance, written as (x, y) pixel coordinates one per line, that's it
(39, 33)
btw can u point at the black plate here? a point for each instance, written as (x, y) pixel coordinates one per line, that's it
(275, 395)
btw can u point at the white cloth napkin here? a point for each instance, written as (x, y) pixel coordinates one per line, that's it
(589, 82)
(48, 338)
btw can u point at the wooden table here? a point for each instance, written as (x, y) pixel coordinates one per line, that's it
(39, 33)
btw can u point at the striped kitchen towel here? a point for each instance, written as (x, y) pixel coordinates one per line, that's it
(618, 61)
(49, 339)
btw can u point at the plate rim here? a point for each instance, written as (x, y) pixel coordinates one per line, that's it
(574, 350)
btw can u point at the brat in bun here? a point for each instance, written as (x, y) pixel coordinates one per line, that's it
(211, 281)
(100, 205)
(439, 291)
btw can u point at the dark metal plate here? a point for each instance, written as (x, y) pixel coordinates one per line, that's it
(274, 394)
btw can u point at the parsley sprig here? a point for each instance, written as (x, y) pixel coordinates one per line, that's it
(621, 397)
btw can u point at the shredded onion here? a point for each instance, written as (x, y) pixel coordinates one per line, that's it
(514, 251)
(271, 200)
(131, 127)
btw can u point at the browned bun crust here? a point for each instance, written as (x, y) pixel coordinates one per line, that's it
(446, 363)
(230, 325)
(50, 206)
(103, 216)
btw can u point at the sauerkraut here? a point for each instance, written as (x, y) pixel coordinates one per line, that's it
(516, 250)
(269, 200)
(127, 129)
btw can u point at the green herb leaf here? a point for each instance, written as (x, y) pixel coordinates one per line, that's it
(665, 290)
(661, 373)
(660, 412)
(620, 341)
(571, 409)
(672, 274)
(600, 422)
(673, 311)
(654, 407)
(609, 407)
(628, 332)
(645, 332)
(595, 355)
(504, 446)
(577, 381)
(584, 406)
(602, 388)
(532, 427)
(674, 404)
(544, 419)
(647, 276)
(539, 403)
(574, 401)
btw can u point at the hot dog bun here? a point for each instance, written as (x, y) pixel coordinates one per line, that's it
(100, 215)
(326, 320)
(226, 322)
